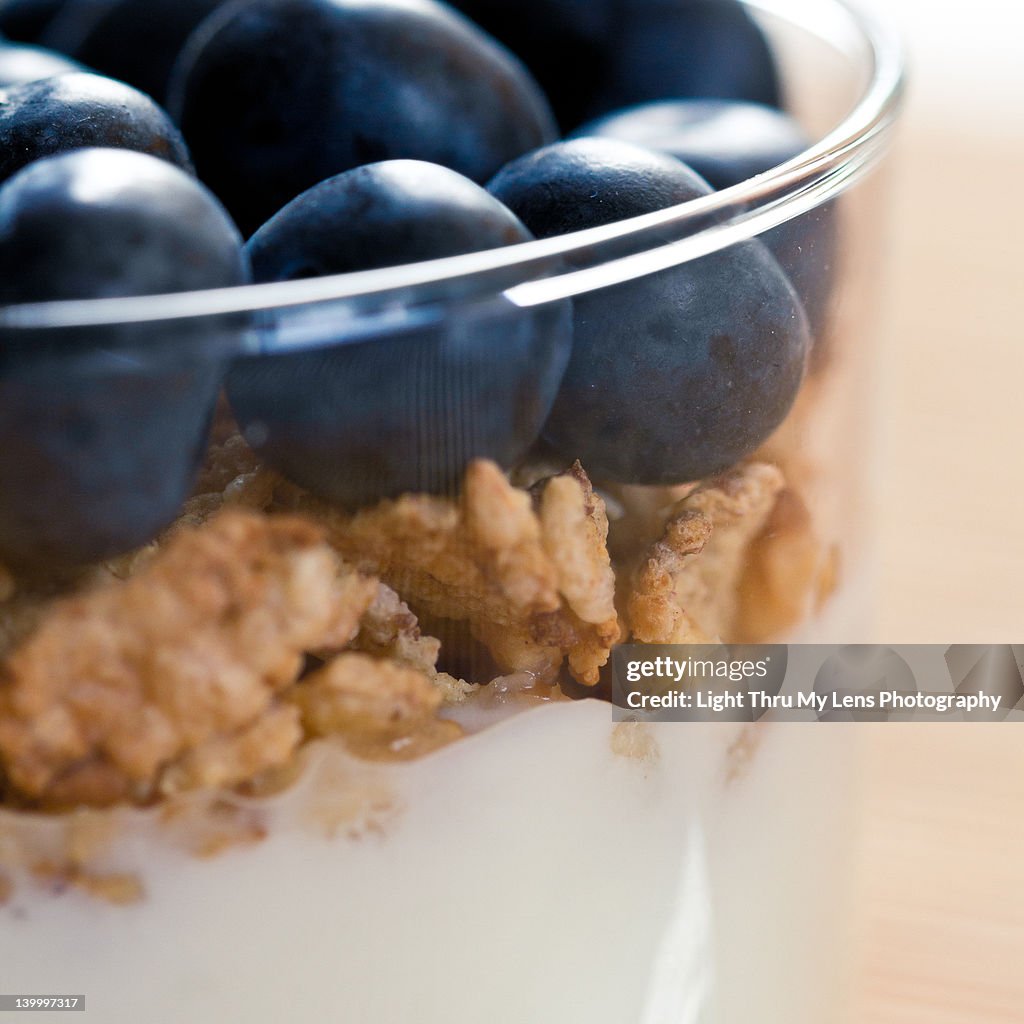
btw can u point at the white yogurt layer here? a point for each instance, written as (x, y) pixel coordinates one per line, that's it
(554, 868)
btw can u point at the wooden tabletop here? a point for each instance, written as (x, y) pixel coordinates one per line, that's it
(944, 857)
(944, 876)
(951, 506)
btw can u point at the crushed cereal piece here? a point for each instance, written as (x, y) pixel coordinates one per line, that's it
(225, 462)
(197, 510)
(574, 531)
(173, 676)
(491, 561)
(374, 705)
(227, 760)
(638, 515)
(388, 629)
(654, 607)
(784, 567)
(685, 587)
(127, 565)
(454, 691)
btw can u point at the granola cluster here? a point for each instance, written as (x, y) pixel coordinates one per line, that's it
(265, 618)
(193, 672)
(528, 573)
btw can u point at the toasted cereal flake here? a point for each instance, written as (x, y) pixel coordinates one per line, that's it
(491, 561)
(388, 629)
(197, 510)
(574, 529)
(684, 589)
(638, 515)
(504, 530)
(355, 693)
(267, 743)
(454, 691)
(376, 706)
(784, 566)
(592, 649)
(262, 490)
(176, 672)
(452, 559)
(225, 462)
(654, 606)
(127, 565)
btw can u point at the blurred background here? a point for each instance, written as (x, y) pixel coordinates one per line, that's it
(945, 815)
(952, 502)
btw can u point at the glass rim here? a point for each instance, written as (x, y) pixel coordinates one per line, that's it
(844, 155)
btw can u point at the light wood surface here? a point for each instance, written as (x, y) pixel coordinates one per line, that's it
(944, 856)
(951, 506)
(944, 876)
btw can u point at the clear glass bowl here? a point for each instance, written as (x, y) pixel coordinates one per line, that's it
(552, 866)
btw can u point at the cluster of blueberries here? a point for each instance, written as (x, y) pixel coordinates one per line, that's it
(141, 140)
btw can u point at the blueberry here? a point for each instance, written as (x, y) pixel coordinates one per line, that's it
(26, 20)
(724, 141)
(592, 56)
(403, 409)
(101, 429)
(21, 63)
(728, 142)
(564, 43)
(682, 49)
(274, 96)
(676, 375)
(134, 41)
(79, 111)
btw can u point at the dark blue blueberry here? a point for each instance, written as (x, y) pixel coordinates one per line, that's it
(564, 43)
(26, 20)
(80, 111)
(724, 141)
(684, 49)
(134, 41)
(274, 96)
(676, 375)
(728, 142)
(592, 56)
(406, 407)
(102, 429)
(21, 63)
